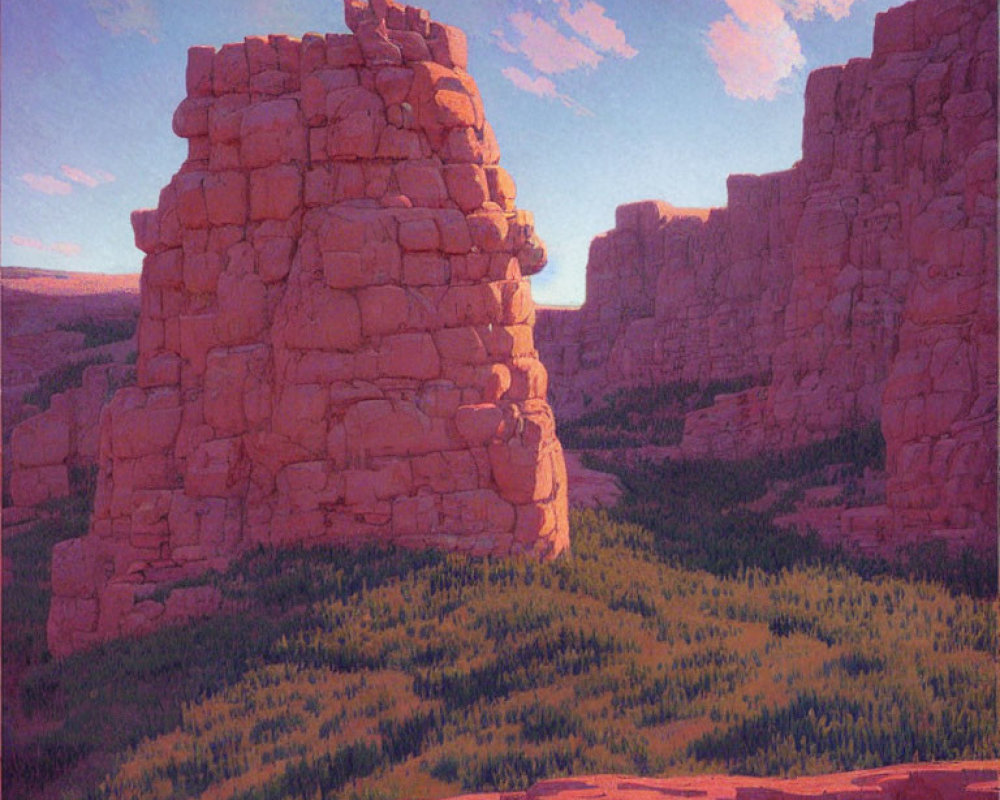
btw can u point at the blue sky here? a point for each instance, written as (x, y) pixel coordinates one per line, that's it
(594, 105)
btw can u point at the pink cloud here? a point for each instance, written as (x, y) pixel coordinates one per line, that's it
(46, 184)
(63, 248)
(77, 175)
(547, 49)
(127, 16)
(752, 61)
(543, 87)
(758, 13)
(502, 42)
(603, 32)
(754, 49)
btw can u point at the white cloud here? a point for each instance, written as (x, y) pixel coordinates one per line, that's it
(127, 16)
(806, 9)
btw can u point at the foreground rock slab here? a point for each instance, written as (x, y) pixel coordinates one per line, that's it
(336, 336)
(969, 780)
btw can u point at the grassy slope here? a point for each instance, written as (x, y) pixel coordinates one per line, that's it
(684, 634)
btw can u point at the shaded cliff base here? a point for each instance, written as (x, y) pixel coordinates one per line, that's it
(828, 497)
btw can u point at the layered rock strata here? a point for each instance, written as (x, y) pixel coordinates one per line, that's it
(336, 337)
(858, 286)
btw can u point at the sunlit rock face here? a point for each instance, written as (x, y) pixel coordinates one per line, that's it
(857, 286)
(336, 337)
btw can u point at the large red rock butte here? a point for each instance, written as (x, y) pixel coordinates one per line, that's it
(857, 286)
(335, 342)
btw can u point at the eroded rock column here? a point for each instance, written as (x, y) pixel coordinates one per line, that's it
(336, 338)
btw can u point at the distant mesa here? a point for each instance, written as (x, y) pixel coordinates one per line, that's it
(336, 336)
(857, 287)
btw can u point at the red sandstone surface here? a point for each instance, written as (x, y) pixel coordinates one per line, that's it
(857, 286)
(968, 780)
(336, 336)
(589, 488)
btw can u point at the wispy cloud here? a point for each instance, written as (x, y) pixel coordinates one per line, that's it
(62, 248)
(560, 38)
(591, 22)
(77, 175)
(547, 49)
(806, 9)
(46, 184)
(543, 87)
(754, 47)
(127, 16)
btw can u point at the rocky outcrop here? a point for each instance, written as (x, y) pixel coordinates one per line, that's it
(52, 399)
(336, 337)
(46, 447)
(40, 310)
(964, 780)
(858, 286)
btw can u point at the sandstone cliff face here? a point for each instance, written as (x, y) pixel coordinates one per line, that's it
(859, 285)
(335, 342)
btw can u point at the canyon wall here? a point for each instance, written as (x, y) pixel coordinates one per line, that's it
(336, 333)
(857, 286)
